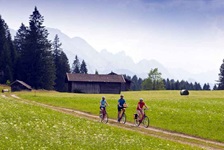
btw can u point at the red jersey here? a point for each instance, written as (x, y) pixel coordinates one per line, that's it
(140, 104)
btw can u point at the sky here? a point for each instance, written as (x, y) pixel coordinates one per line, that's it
(187, 34)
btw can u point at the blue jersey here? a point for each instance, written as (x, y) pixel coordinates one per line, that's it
(121, 102)
(103, 103)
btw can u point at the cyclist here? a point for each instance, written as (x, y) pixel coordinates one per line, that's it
(103, 104)
(140, 108)
(121, 106)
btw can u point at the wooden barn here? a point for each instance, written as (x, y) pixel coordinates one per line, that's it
(126, 86)
(20, 86)
(94, 83)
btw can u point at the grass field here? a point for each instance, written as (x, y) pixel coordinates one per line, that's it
(26, 126)
(200, 114)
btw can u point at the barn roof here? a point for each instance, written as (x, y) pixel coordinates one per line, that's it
(23, 83)
(126, 79)
(94, 78)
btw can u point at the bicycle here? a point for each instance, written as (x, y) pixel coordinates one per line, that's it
(145, 121)
(103, 116)
(122, 119)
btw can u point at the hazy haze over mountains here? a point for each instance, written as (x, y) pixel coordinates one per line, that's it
(105, 62)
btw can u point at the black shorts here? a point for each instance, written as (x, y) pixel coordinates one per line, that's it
(119, 108)
(103, 108)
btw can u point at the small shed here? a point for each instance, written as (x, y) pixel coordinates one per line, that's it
(20, 86)
(94, 83)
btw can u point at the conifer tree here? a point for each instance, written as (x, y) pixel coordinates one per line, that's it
(19, 43)
(20, 38)
(134, 83)
(76, 65)
(61, 65)
(197, 86)
(96, 72)
(221, 77)
(206, 87)
(37, 58)
(140, 83)
(215, 87)
(83, 68)
(167, 84)
(7, 53)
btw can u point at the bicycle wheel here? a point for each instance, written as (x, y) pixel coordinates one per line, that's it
(123, 119)
(145, 122)
(105, 119)
(136, 121)
(101, 116)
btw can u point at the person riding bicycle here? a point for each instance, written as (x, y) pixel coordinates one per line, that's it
(121, 106)
(140, 108)
(103, 104)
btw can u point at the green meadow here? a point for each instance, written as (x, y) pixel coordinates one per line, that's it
(200, 114)
(28, 126)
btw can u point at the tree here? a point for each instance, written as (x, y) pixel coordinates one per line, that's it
(56, 46)
(96, 72)
(206, 87)
(221, 77)
(190, 86)
(83, 68)
(197, 86)
(140, 83)
(20, 38)
(215, 87)
(154, 81)
(76, 65)
(177, 85)
(167, 84)
(7, 53)
(172, 84)
(147, 84)
(19, 43)
(36, 58)
(136, 83)
(61, 65)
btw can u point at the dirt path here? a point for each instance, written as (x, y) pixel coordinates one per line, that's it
(151, 131)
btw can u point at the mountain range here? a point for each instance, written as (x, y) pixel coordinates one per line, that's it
(105, 62)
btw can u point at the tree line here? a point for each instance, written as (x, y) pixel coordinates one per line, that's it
(154, 81)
